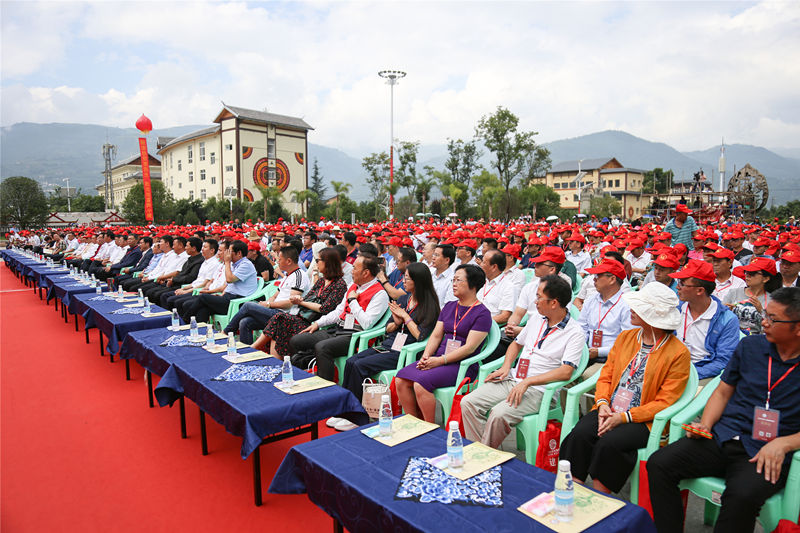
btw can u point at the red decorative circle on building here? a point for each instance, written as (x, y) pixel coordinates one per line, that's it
(298, 156)
(247, 195)
(247, 151)
(261, 174)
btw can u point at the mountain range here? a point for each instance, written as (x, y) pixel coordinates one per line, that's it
(52, 152)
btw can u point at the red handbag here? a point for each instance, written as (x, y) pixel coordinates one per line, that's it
(396, 409)
(549, 447)
(455, 409)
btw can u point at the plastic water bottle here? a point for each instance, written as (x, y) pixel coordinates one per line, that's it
(455, 448)
(287, 376)
(146, 305)
(175, 320)
(564, 492)
(209, 334)
(385, 416)
(120, 294)
(97, 288)
(193, 327)
(231, 345)
(141, 298)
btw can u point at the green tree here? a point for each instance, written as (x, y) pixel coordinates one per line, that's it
(511, 148)
(454, 192)
(540, 201)
(88, 203)
(405, 207)
(304, 198)
(341, 188)
(22, 203)
(270, 196)
(423, 189)
(604, 206)
(486, 190)
(462, 164)
(377, 167)
(406, 172)
(163, 204)
(316, 205)
(657, 181)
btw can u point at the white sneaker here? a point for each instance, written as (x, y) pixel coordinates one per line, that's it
(332, 421)
(345, 425)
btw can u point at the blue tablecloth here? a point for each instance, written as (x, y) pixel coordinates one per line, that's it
(18, 261)
(63, 287)
(354, 479)
(40, 272)
(251, 410)
(114, 327)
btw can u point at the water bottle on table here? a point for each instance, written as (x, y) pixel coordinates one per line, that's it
(120, 294)
(210, 336)
(564, 492)
(140, 301)
(287, 376)
(231, 345)
(193, 327)
(175, 320)
(97, 288)
(385, 416)
(455, 448)
(146, 305)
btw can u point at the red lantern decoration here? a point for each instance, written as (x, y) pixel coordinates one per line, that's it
(144, 125)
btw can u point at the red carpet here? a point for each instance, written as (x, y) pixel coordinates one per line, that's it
(82, 451)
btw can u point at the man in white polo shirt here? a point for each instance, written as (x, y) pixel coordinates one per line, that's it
(497, 294)
(549, 347)
(722, 262)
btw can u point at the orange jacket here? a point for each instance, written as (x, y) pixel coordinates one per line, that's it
(665, 375)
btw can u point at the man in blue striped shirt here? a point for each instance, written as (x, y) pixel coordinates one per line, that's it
(682, 227)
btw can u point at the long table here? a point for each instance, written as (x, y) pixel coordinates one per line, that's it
(255, 411)
(354, 479)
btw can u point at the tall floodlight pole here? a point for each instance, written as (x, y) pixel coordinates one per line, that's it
(109, 153)
(391, 77)
(69, 205)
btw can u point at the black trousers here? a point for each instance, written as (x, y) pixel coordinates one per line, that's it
(326, 345)
(102, 275)
(178, 302)
(154, 294)
(745, 489)
(364, 365)
(206, 305)
(610, 458)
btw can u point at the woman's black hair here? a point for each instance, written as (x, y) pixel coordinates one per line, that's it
(773, 282)
(427, 301)
(476, 278)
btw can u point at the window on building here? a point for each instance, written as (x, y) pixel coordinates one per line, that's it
(189, 154)
(191, 195)
(171, 181)
(229, 168)
(179, 164)
(574, 197)
(616, 183)
(170, 159)
(202, 151)
(556, 185)
(229, 147)
(180, 185)
(213, 158)
(213, 180)
(637, 210)
(202, 175)
(202, 194)
(271, 148)
(191, 176)
(271, 176)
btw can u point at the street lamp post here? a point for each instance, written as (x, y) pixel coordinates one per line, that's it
(391, 77)
(69, 205)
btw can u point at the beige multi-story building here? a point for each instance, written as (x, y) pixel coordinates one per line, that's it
(598, 176)
(126, 174)
(244, 149)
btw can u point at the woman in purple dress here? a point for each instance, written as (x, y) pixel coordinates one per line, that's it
(459, 333)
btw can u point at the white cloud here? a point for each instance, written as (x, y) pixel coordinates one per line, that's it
(681, 73)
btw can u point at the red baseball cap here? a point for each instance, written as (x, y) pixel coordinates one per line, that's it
(667, 260)
(468, 243)
(253, 245)
(551, 253)
(761, 263)
(681, 208)
(723, 253)
(577, 237)
(695, 269)
(514, 250)
(608, 265)
(761, 241)
(792, 256)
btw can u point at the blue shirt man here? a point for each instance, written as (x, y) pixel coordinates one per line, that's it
(246, 278)
(682, 227)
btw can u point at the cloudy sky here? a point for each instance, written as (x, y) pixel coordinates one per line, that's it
(684, 73)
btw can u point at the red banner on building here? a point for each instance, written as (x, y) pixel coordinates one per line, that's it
(148, 193)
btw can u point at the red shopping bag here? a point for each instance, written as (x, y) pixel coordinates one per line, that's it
(455, 409)
(396, 409)
(549, 447)
(644, 492)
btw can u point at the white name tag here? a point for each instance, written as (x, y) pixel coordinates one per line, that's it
(349, 321)
(451, 345)
(399, 341)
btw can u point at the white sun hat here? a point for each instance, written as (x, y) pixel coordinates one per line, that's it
(656, 304)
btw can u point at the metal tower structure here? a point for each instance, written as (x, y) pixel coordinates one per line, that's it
(109, 153)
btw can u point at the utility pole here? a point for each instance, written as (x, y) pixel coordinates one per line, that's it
(69, 205)
(391, 77)
(109, 153)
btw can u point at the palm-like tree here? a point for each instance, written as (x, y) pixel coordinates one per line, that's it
(424, 186)
(302, 198)
(340, 188)
(269, 194)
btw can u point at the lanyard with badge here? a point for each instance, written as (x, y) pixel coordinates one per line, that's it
(624, 394)
(765, 420)
(525, 361)
(454, 344)
(401, 336)
(597, 334)
(486, 293)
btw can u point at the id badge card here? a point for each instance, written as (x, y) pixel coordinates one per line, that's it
(765, 423)
(597, 338)
(622, 400)
(349, 321)
(522, 368)
(399, 341)
(452, 344)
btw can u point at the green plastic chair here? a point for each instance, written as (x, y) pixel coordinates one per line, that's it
(530, 426)
(445, 395)
(656, 431)
(221, 321)
(358, 345)
(529, 274)
(387, 375)
(783, 505)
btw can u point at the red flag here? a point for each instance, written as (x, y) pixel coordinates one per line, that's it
(148, 193)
